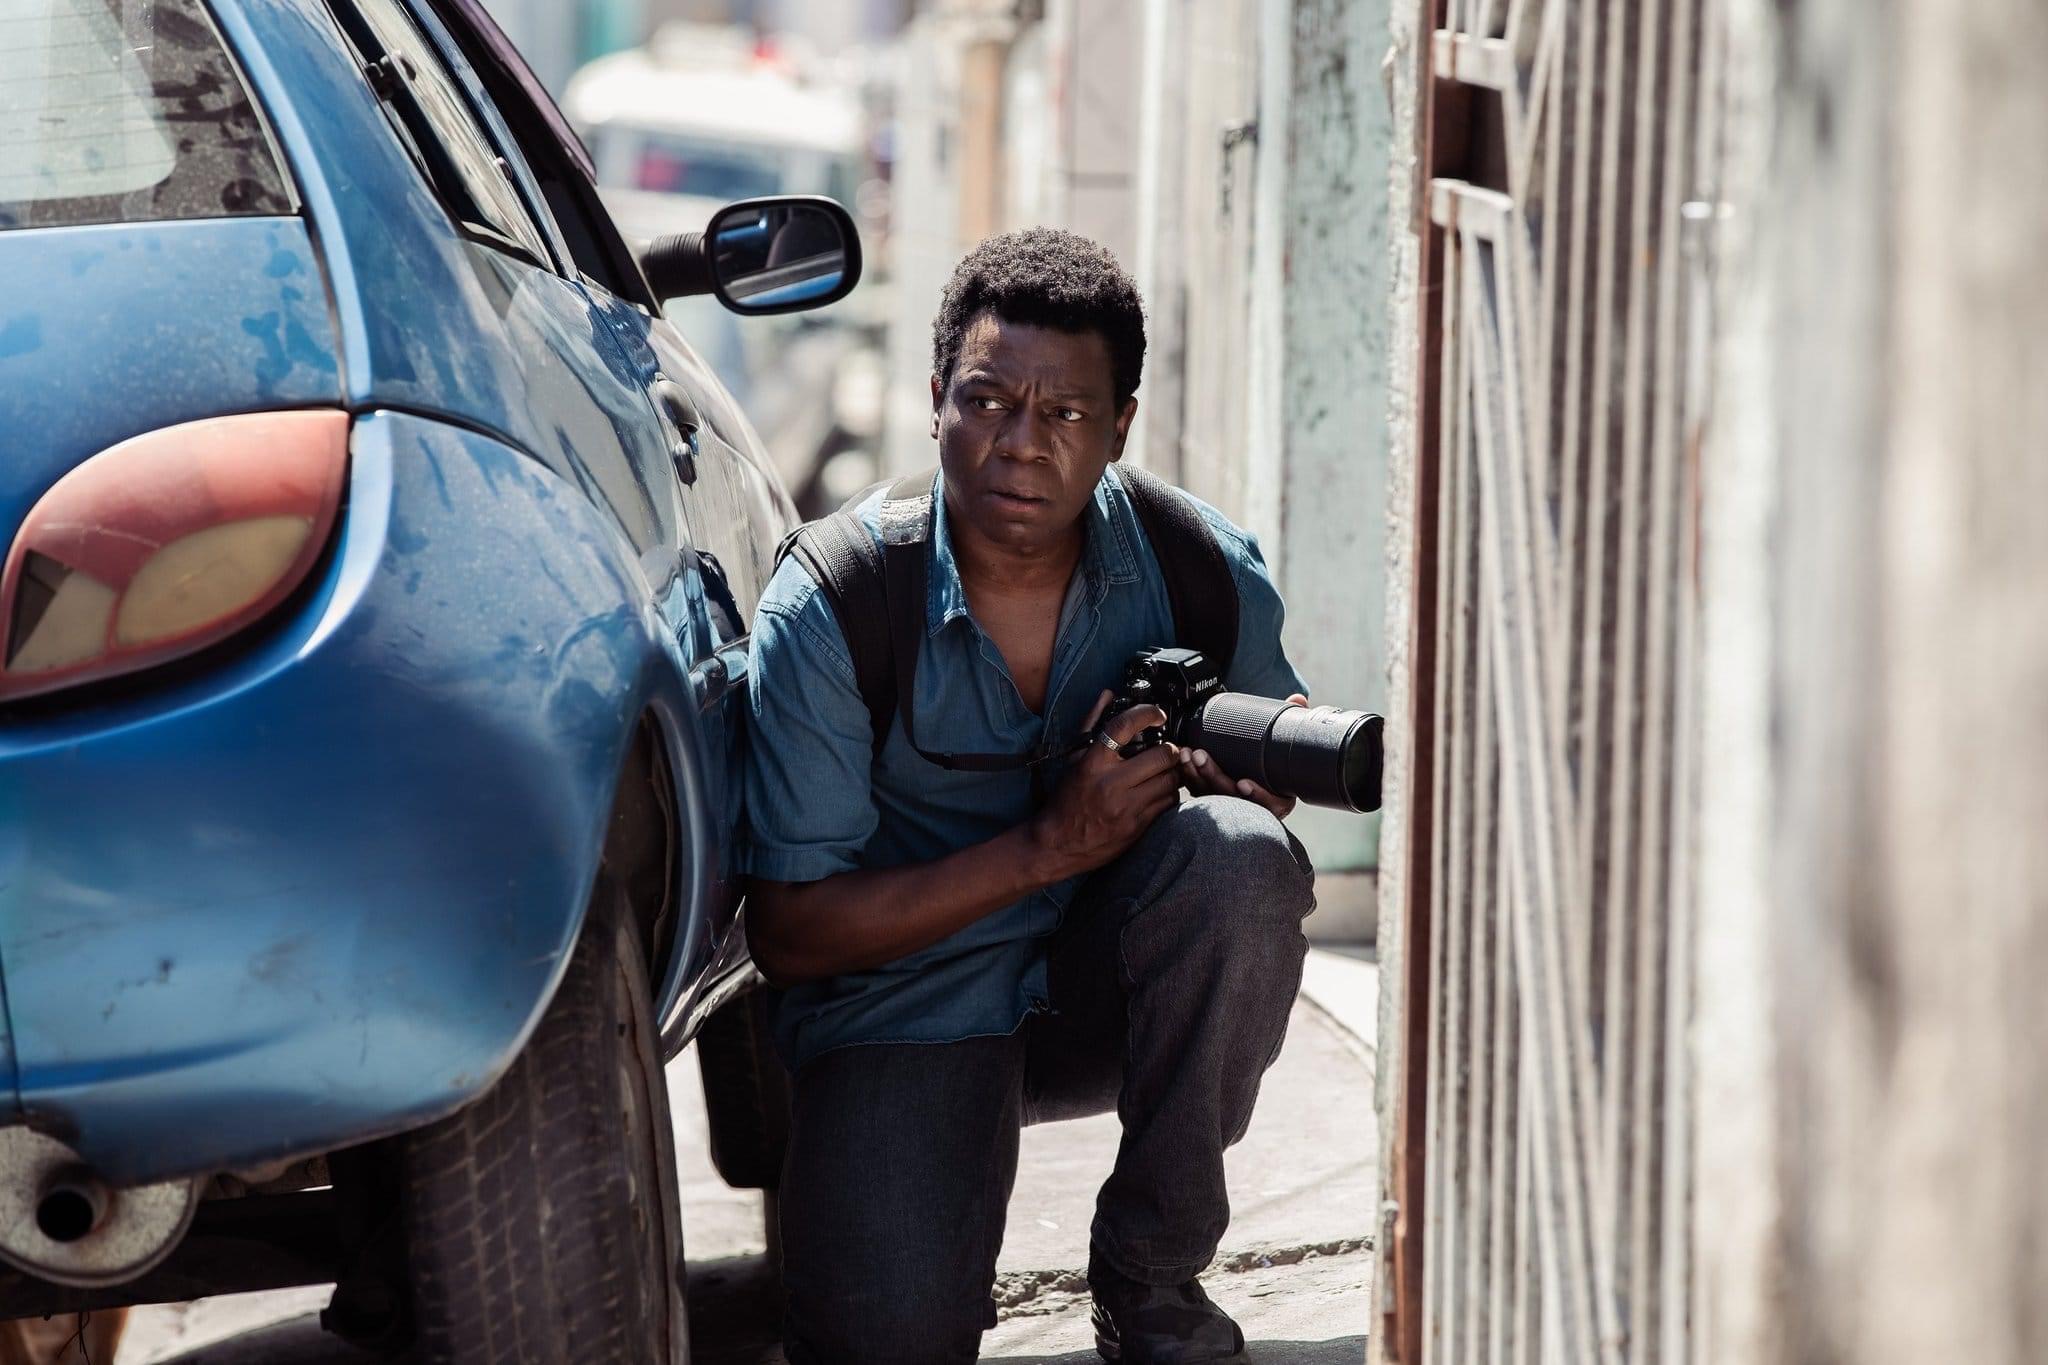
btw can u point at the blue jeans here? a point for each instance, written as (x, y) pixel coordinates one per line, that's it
(1171, 980)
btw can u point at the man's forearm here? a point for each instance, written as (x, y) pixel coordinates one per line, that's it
(804, 931)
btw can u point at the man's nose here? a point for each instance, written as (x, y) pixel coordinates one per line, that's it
(1027, 435)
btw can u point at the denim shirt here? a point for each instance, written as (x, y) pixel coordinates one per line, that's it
(820, 802)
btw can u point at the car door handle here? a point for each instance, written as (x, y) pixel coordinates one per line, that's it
(680, 422)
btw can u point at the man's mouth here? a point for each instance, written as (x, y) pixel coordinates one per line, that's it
(1014, 498)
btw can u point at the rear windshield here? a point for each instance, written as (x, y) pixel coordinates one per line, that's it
(123, 111)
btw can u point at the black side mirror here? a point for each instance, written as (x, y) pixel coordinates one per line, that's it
(777, 255)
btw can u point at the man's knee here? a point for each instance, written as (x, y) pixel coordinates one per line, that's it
(1245, 853)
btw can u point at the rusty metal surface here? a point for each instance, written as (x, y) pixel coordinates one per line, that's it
(1542, 1108)
(1441, 127)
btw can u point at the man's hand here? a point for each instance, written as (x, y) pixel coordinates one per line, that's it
(1199, 771)
(1105, 801)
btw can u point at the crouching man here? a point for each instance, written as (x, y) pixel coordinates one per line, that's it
(990, 916)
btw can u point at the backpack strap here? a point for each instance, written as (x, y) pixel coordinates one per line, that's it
(1198, 582)
(844, 561)
(879, 594)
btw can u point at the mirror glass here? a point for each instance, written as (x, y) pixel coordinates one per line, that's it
(777, 256)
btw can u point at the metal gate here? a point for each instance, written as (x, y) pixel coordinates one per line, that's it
(1544, 1107)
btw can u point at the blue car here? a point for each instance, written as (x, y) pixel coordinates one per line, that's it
(378, 565)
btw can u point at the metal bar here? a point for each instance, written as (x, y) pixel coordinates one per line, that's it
(1487, 974)
(1535, 773)
(1623, 837)
(1472, 59)
(1538, 855)
(1455, 738)
(1555, 1135)
(1567, 376)
(1681, 1289)
(1505, 1241)
(1569, 712)
(1660, 1066)
(1528, 1269)
(1402, 1325)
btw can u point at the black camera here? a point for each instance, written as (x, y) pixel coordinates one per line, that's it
(1321, 754)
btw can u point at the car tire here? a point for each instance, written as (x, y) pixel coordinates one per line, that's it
(541, 1222)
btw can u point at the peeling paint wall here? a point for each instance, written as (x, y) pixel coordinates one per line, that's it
(1262, 251)
(1404, 266)
(1319, 404)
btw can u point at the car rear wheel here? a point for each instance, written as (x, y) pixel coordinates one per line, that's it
(541, 1222)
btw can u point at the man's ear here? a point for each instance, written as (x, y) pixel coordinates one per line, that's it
(938, 400)
(1124, 419)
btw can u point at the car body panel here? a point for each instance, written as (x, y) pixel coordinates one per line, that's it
(317, 886)
(447, 327)
(248, 915)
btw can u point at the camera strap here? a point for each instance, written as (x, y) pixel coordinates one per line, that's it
(879, 595)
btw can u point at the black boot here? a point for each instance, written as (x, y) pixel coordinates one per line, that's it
(1144, 1324)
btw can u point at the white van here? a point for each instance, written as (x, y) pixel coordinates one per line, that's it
(696, 120)
(720, 131)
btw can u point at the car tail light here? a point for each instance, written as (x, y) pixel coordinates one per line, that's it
(167, 543)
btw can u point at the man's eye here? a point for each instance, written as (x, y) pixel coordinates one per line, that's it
(1068, 414)
(983, 403)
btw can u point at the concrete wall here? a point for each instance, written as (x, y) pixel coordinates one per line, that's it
(1317, 451)
(1884, 676)
(1404, 268)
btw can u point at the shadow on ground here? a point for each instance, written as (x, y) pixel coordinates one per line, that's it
(297, 1340)
(734, 1307)
(1343, 1351)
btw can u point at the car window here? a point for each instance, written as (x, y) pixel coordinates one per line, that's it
(548, 145)
(455, 152)
(121, 111)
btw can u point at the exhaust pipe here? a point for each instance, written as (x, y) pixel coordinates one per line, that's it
(60, 1222)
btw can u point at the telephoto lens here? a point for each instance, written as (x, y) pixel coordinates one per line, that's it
(1324, 755)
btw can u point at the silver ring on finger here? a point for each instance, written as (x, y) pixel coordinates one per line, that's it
(1102, 738)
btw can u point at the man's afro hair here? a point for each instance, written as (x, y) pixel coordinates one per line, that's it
(1045, 277)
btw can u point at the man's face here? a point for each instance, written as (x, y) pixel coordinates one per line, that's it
(1026, 425)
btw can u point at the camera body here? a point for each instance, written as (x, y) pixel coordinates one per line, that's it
(1321, 754)
(1177, 681)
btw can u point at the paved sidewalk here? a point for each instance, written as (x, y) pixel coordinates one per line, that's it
(1295, 1267)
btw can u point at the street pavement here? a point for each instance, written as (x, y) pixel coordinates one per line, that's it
(1295, 1267)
